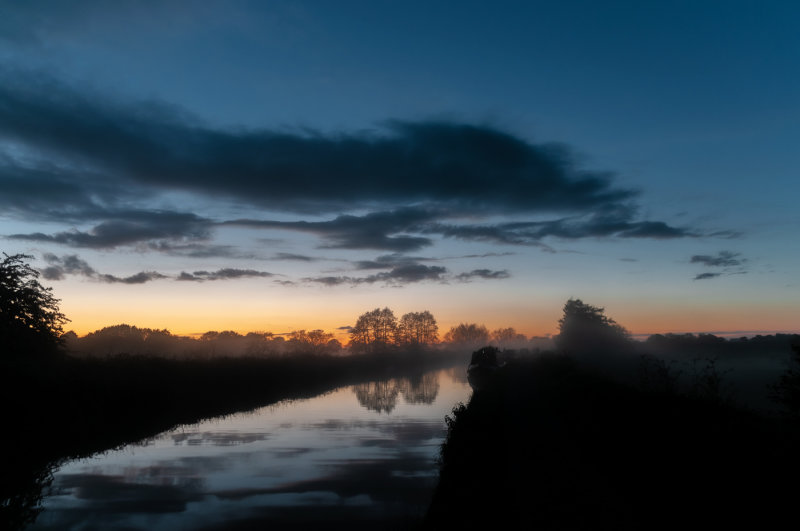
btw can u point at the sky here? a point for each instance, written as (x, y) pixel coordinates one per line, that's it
(289, 165)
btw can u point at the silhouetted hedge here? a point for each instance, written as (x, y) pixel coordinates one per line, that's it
(553, 445)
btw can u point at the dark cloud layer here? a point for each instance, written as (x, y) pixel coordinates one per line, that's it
(408, 274)
(222, 274)
(388, 261)
(293, 257)
(408, 229)
(83, 158)
(486, 274)
(376, 230)
(404, 274)
(59, 267)
(619, 224)
(163, 147)
(67, 265)
(138, 278)
(129, 227)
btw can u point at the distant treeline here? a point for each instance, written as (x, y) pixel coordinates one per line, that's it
(666, 345)
(132, 340)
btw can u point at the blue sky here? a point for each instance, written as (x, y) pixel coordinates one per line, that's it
(287, 165)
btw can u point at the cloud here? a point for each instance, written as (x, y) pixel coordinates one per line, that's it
(67, 265)
(730, 263)
(47, 192)
(138, 278)
(722, 259)
(388, 261)
(725, 234)
(412, 273)
(486, 274)
(162, 146)
(408, 274)
(618, 223)
(197, 250)
(78, 156)
(133, 227)
(407, 229)
(60, 267)
(704, 276)
(376, 230)
(222, 274)
(404, 274)
(293, 257)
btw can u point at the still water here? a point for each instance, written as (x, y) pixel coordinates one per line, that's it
(359, 454)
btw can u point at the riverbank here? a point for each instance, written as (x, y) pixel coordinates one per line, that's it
(65, 407)
(552, 444)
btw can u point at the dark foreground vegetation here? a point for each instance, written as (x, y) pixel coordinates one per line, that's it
(61, 407)
(604, 435)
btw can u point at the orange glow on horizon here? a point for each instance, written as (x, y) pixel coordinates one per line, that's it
(192, 310)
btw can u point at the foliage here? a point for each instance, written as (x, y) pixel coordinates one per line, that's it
(787, 391)
(585, 328)
(417, 328)
(558, 445)
(29, 314)
(658, 376)
(508, 337)
(468, 334)
(125, 339)
(379, 330)
(707, 380)
(374, 330)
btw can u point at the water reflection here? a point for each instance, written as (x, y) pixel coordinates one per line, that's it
(357, 456)
(382, 396)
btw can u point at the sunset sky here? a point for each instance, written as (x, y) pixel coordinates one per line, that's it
(289, 165)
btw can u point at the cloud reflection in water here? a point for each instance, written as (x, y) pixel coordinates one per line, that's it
(337, 458)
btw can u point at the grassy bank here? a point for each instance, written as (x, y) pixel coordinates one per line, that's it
(554, 445)
(62, 407)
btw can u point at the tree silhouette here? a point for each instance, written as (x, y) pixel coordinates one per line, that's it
(787, 391)
(417, 328)
(30, 320)
(468, 334)
(508, 337)
(585, 328)
(315, 341)
(374, 330)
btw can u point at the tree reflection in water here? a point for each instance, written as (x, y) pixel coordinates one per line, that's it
(382, 396)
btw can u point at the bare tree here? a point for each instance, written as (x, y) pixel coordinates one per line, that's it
(417, 328)
(508, 337)
(374, 330)
(468, 334)
(315, 341)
